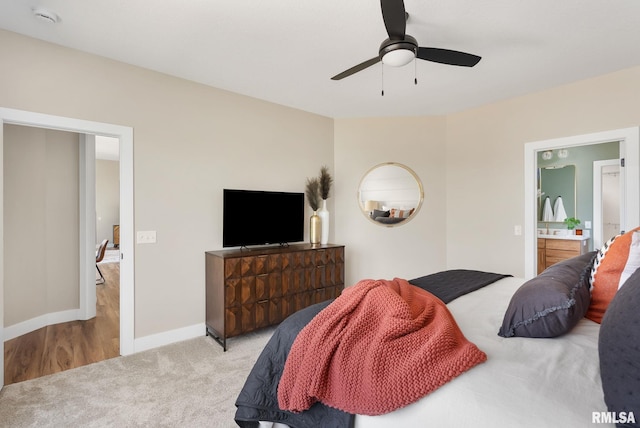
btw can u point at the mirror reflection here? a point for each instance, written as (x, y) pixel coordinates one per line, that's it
(557, 193)
(390, 194)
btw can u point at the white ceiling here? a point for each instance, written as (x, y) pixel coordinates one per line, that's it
(285, 51)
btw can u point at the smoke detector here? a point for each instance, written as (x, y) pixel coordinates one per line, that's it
(46, 15)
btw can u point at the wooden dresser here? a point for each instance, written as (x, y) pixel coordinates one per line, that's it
(255, 288)
(554, 250)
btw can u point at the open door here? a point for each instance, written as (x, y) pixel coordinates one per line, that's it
(608, 201)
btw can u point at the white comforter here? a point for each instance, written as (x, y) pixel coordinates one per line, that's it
(524, 382)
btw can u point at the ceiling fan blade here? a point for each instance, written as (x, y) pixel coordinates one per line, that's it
(446, 56)
(395, 18)
(355, 69)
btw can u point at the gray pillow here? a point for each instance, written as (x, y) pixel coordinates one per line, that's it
(619, 349)
(552, 303)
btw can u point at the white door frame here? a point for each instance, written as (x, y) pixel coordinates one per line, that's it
(87, 188)
(630, 175)
(125, 135)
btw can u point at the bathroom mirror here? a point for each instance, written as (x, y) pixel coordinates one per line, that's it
(556, 193)
(390, 194)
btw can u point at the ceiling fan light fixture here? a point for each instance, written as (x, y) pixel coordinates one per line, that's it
(398, 52)
(398, 57)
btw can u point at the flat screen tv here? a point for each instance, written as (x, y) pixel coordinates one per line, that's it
(253, 217)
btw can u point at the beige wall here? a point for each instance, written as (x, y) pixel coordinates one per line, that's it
(471, 164)
(416, 248)
(485, 158)
(190, 142)
(41, 235)
(107, 199)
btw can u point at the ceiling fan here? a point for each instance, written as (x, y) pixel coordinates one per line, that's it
(400, 48)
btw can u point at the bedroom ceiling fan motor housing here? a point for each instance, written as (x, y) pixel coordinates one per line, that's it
(397, 53)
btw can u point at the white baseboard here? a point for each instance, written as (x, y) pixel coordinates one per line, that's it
(33, 324)
(168, 337)
(140, 344)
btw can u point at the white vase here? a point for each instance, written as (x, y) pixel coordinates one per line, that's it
(323, 213)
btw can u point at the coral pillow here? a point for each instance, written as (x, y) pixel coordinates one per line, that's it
(614, 264)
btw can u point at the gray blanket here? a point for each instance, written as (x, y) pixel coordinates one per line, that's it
(258, 400)
(451, 284)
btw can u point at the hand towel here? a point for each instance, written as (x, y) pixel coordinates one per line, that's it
(558, 209)
(547, 213)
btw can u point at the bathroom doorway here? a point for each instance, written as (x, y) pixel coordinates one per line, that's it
(629, 176)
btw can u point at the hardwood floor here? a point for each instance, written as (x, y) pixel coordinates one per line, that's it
(64, 346)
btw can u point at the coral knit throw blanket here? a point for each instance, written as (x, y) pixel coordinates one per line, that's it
(378, 347)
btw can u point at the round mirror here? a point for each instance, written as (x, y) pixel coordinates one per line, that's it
(390, 194)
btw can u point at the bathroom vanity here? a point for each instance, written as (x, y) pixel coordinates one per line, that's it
(555, 248)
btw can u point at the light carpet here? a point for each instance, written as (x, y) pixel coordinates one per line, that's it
(186, 384)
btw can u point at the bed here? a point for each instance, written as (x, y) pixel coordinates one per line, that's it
(524, 382)
(391, 215)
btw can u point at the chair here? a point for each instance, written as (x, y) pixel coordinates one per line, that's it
(99, 256)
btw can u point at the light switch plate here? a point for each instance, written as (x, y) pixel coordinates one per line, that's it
(146, 237)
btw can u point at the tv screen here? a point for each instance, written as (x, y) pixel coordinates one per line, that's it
(253, 217)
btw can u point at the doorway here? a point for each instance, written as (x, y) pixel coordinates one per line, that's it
(629, 139)
(606, 201)
(46, 329)
(87, 215)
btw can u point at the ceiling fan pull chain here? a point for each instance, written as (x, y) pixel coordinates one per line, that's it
(382, 78)
(415, 72)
